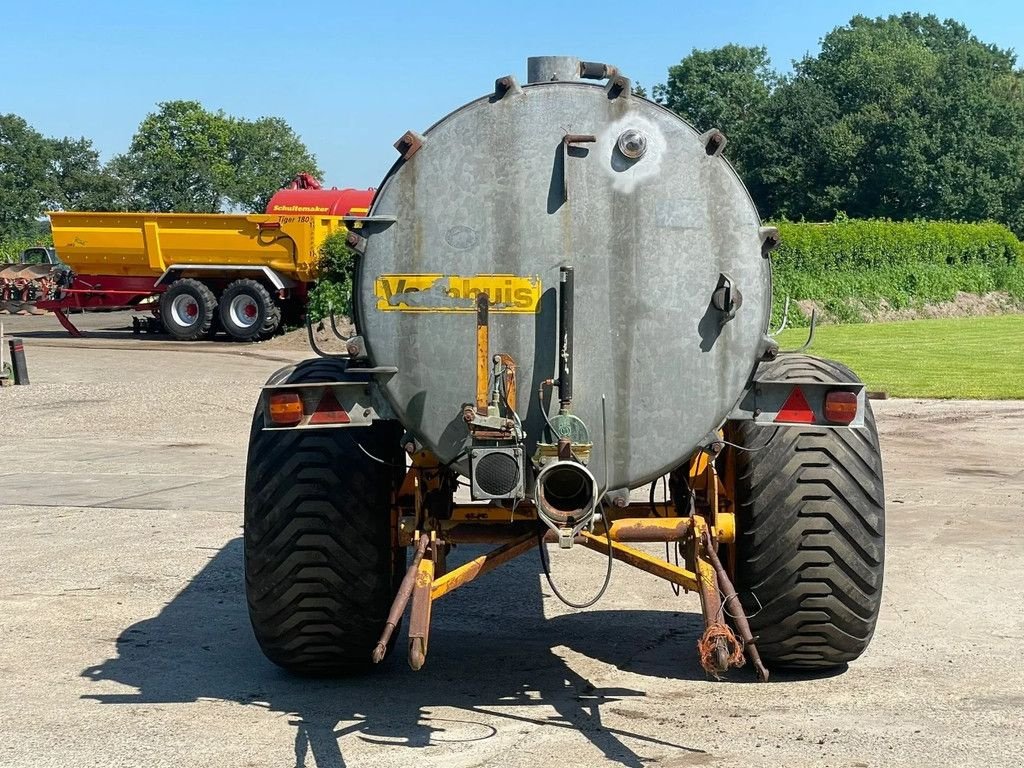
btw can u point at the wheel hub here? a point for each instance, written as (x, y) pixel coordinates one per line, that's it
(185, 310)
(244, 311)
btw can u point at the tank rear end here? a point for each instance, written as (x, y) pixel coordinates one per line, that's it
(500, 195)
(563, 293)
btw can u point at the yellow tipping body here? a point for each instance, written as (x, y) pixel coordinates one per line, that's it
(144, 244)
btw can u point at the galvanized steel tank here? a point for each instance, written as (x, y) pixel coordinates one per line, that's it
(654, 222)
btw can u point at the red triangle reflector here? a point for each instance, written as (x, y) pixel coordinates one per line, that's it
(796, 409)
(329, 411)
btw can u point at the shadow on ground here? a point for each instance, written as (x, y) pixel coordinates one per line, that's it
(491, 656)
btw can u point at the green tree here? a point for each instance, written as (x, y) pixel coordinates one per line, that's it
(38, 173)
(726, 88)
(899, 117)
(178, 160)
(81, 182)
(264, 155)
(186, 158)
(25, 185)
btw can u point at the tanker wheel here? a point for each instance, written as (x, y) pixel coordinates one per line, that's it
(811, 531)
(248, 311)
(321, 570)
(187, 309)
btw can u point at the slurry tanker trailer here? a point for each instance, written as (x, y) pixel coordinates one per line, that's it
(563, 295)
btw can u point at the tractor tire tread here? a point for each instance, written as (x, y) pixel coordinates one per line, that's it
(320, 569)
(207, 306)
(269, 309)
(811, 521)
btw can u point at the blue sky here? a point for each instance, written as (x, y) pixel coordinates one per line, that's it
(351, 78)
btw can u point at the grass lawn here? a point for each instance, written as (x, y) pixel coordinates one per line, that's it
(980, 358)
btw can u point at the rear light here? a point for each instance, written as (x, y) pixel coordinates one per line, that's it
(285, 409)
(841, 406)
(269, 225)
(796, 409)
(329, 411)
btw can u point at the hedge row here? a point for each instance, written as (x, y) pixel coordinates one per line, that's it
(849, 267)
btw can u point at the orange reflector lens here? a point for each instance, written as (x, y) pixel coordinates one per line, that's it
(840, 406)
(285, 409)
(796, 409)
(329, 411)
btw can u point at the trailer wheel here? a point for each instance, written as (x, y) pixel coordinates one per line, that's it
(321, 570)
(248, 311)
(187, 309)
(811, 531)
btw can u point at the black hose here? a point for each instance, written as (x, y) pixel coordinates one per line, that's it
(545, 563)
(566, 310)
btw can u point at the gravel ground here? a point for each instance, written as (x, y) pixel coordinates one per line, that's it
(124, 639)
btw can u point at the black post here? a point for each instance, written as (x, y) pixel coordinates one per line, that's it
(566, 304)
(18, 364)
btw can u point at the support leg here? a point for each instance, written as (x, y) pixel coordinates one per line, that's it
(66, 322)
(736, 610)
(401, 600)
(419, 614)
(718, 647)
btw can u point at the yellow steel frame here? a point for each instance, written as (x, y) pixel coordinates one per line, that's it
(514, 530)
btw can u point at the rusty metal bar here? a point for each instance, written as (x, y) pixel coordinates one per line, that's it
(736, 609)
(470, 533)
(641, 560)
(401, 600)
(637, 529)
(710, 601)
(485, 513)
(718, 648)
(627, 529)
(481, 565)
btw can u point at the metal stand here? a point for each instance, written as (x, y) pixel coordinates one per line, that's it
(515, 531)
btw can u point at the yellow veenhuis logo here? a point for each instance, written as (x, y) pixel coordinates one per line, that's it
(456, 293)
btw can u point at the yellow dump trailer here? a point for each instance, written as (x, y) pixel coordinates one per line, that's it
(198, 272)
(144, 244)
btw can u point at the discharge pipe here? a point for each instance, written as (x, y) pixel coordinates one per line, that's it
(566, 494)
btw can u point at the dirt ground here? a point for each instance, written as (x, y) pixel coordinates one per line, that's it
(124, 639)
(962, 305)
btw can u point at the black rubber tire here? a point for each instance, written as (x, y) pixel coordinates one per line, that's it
(268, 317)
(320, 569)
(207, 307)
(811, 531)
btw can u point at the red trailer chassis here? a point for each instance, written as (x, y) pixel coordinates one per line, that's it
(103, 292)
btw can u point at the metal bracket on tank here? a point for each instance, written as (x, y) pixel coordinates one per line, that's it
(770, 240)
(618, 84)
(726, 298)
(505, 86)
(374, 223)
(714, 142)
(571, 141)
(362, 227)
(619, 87)
(410, 143)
